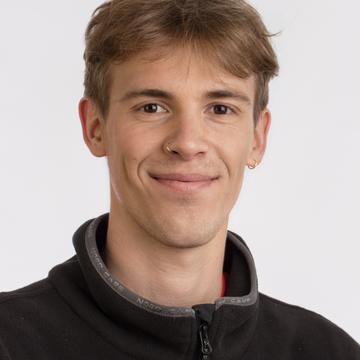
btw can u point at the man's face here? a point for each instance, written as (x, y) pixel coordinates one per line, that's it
(210, 136)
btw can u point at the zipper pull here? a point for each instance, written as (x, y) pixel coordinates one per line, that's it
(206, 348)
(204, 314)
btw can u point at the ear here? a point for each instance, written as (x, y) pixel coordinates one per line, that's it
(260, 137)
(93, 126)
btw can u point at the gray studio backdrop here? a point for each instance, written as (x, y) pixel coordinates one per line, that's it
(299, 211)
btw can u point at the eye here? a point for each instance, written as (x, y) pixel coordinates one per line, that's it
(220, 109)
(151, 108)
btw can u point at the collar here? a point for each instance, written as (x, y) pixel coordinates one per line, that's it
(121, 315)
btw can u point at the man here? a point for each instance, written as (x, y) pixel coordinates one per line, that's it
(176, 97)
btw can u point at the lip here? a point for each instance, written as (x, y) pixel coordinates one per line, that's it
(184, 183)
(184, 177)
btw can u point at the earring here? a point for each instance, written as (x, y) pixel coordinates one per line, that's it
(251, 167)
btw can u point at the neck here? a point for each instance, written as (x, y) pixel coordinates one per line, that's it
(165, 275)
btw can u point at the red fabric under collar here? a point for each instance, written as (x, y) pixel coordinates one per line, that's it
(224, 284)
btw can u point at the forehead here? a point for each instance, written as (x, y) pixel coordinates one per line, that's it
(177, 70)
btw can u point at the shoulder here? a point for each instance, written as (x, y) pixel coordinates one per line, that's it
(36, 302)
(305, 331)
(37, 297)
(17, 305)
(20, 311)
(24, 294)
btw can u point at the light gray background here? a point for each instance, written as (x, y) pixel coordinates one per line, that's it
(298, 212)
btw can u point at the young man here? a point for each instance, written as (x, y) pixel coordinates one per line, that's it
(176, 97)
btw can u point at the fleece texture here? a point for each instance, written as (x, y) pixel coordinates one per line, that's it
(80, 311)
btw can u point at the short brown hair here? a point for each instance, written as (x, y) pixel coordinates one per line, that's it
(231, 32)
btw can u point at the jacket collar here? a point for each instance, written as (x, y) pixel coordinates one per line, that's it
(95, 237)
(135, 316)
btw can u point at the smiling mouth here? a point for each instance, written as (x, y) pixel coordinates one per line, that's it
(185, 185)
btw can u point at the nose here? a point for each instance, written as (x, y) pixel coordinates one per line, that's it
(188, 137)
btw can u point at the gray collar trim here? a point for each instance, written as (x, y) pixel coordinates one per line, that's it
(145, 304)
(250, 298)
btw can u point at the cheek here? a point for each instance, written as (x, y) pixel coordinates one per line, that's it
(235, 157)
(122, 141)
(235, 152)
(130, 149)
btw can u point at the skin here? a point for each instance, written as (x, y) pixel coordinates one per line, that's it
(167, 246)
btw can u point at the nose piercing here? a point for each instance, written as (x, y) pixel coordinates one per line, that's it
(168, 149)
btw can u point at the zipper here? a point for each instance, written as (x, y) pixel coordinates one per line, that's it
(206, 348)
(204, 314)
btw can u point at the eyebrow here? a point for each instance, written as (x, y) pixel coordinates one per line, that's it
(213, 94)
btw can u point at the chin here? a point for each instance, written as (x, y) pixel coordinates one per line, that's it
(185, 236)
(183, 243)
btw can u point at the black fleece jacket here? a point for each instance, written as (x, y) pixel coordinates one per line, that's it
(81, 312)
